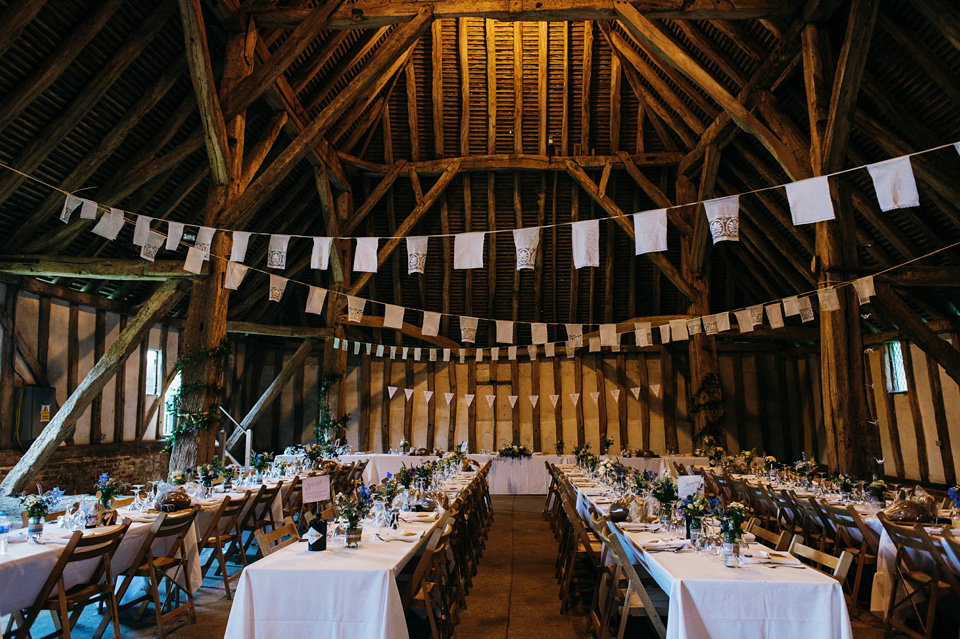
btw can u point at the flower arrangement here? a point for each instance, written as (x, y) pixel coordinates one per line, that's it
(694, 507)
(770, 462)
(605, 444)
(844, 483)
(581, 453)
(353, 508)
(386, 490)
(878, 490)
(514, 451)
(731, 519)
(643, 481)
(108, 489)
(404, 446)
(664, 490)
(261, 461)
(180, 477)
(953, 494)
(559, 447)
(39, 504)
(404, 476)
(207, 474)
(710, 449)
(296, 449)
(425, 471)
(802, 467)
(229, 472)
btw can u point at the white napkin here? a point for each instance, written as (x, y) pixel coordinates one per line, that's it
(412, 517)
(636, 526)
(399, 535)
(663, 544)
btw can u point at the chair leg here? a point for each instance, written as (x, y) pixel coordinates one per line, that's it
(861, 560)
(64, 616)
(931, 610)
(223, 567)
(158, 607)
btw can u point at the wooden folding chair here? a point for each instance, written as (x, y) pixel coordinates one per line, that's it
(838, 566)
(855, 537)
(418, 592)
(636, 598)
(582, 566)
(777, 541)
(259, 514)
(67, 604)
(679, 468)
(223, 532)
(293, 501)
(271, 542)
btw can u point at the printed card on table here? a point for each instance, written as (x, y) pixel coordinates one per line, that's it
(316, 489)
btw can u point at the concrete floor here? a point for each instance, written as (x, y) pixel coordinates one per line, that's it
(514, 595)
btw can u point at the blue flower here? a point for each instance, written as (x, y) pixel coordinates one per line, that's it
(104, 478)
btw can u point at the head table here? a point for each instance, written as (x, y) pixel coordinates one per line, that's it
(709, 600)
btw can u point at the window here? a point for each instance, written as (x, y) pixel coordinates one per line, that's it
(893, 364)
(169, 413)
(154, 381)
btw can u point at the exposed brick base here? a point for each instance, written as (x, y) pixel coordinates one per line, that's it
(75, 468)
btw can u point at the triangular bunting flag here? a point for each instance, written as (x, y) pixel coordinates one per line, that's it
(636, 392)
(534, 399)
(448, 397)
(512, 399)
(491, 399)
(427, 394)
(469, 397)
(616, 394)
(595, 396)
(575, 398)
(408, 392)
(391, 390)
(554, 399)
(655, 388)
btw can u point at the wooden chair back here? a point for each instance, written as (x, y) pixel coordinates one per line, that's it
(622, 559)
(777, 541)
(838, 566)
(426, 558)
(270, 542)
(48, 517)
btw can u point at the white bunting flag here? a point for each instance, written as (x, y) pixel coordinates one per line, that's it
(791, 306)
(608, 335)
(774, 315)
(320, 255)
(379, 350)
(433, 355)
(554, 399)
(575, 333)
(408, 392)
(446, 354)
(405, 350)
(355, 306)
(664, 333)
(494, 354)
(532, 352)
(365, 257)
(643, 332)
(393, 352)
(756, 314)
(277, 285)
(70, 204)
(392, 316)
(723, 218)
(110, 224)
(194, 261)
(447, 397)
(710, 324)
(468, 329)
(416, 354)
(479, 354)
(369, 348)
(549, 349)
(490, 400)
(570, 347)
(391, 390)
(806, 309)
(723, 321)
(655, 389)
(315, 299)
(678, 330)
(894, 183)
(356, 348)
(88, 210)
(504, 331)
(586, 243)
(174, 233)
(416, 254)
(650, 231)
(431, 324)
(277, 251)
(152, 246)
(513, 400)
(635, 391)
(239, 244)
(463, 356)
(694, 327)
(234, 275)
(828, 298)
(538, 333)
(468, 397)
(865, 289)
(527, 242)
(595, 396)
(511, 353)
(468, 250)
(204, 240)
(427, 394)
(336, 343)
(141, 229)
(594, 345)
(534, 399)
(744, 320)
(575, 398)
(810, 200)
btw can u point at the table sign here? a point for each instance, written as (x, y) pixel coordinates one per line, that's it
(316, 489)
(689, 485)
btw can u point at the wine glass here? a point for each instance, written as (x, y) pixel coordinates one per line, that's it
(138, 502)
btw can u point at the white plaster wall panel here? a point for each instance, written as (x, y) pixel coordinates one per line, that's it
(351, 402)
(57, 350)
(111, 329)
(286, 399)
(951, 406)
(684, 424)
(398, 378)
(591, 411)
(525, 409)
(569, 411)
(27, 323)
(132, 387)
(751, 402)
(654, 379)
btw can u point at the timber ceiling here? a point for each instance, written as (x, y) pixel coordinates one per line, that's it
(96, 98)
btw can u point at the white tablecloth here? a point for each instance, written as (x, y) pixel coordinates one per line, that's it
(339, 593)
(662, 465)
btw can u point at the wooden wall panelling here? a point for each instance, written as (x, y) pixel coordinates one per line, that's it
(408, 403)
(914, 402)
(940, 420)
(622, 401)
(7, 355)
(73, 355)
(431, 412)
(786, 428)
(558, 409)
(43, 331)
(893, 431)
(119, 397)
(472, 409)
(515, 390)
(763, 400)
(668, 400)
(454, 405)
(578, 389)
(601, 397)
(96, 406)
(365, 383)
(741, 413)
(535, 390)
(385, 403)
(644, 403)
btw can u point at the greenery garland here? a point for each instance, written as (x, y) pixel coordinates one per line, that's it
(189, 422)
(326, 427)
(708, 400)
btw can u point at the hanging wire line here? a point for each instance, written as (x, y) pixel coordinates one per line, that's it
(809, 292)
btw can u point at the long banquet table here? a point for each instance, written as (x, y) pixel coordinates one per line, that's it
(709, 600)
(339, 593)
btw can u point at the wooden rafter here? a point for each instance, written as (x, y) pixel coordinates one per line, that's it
(514, 162)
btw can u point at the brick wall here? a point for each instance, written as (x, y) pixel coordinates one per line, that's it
(75, 468)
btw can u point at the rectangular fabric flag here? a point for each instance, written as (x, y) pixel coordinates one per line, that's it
(865, 289)
(538, 333)
(174, 233)
(431, 324)
(756, 314)
(504, 331)
(277, 251)
(511, 353)
(446, 354)
(277, 285)
(494, 354)
(774, 316)
(650, 231)
(570, 348)
(468, 250)
(828, 298)
(320, 256)
(234, 275)
(141, 230)
(723, 321)
(643, 332)
(791, 306)
(70, 204)
(380, 350)
(664, 333)
(894, 184)
(204, 240)
(468, 329)
(575, 333)
(365, 258)
(194, 261)
(527, 242)
(532, 352)
(152, 246)
(315, 299)
(433, 355)
(549, 349)
(593, 345)
(88, 210)
(586, 243)
(694, 327)
(238, 249)
(392, 316)
(109, 224)
(608, 335)
(355, 306)
(806, 309)
(678, 330)
(810, 200)
(416, 254)
(416, 354)
(723, 218)
(710, 324)
(744, 320)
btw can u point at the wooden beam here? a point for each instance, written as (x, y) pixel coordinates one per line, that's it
(35, 365)
(254, 158)
(436, 85)
(93, 268)
(412, 119)
(273, 391)
(585, 76)
(654, 193)
(700, 244)
(375, 196)
(15, 19)
(517, 162)
(64, 422)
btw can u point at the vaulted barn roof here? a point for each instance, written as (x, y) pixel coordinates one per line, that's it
(97, 99)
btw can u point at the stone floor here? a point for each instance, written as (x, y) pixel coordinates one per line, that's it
(514, 594)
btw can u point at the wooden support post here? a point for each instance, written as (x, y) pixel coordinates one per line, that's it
(64, 422)
(363, 436)
(578, 389)
(385, 405)
(472, 409)
(558, 409)
(432, 411)
(408, 402)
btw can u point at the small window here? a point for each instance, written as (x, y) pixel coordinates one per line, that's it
(170, 412)
(893, 362)
(154, 372)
